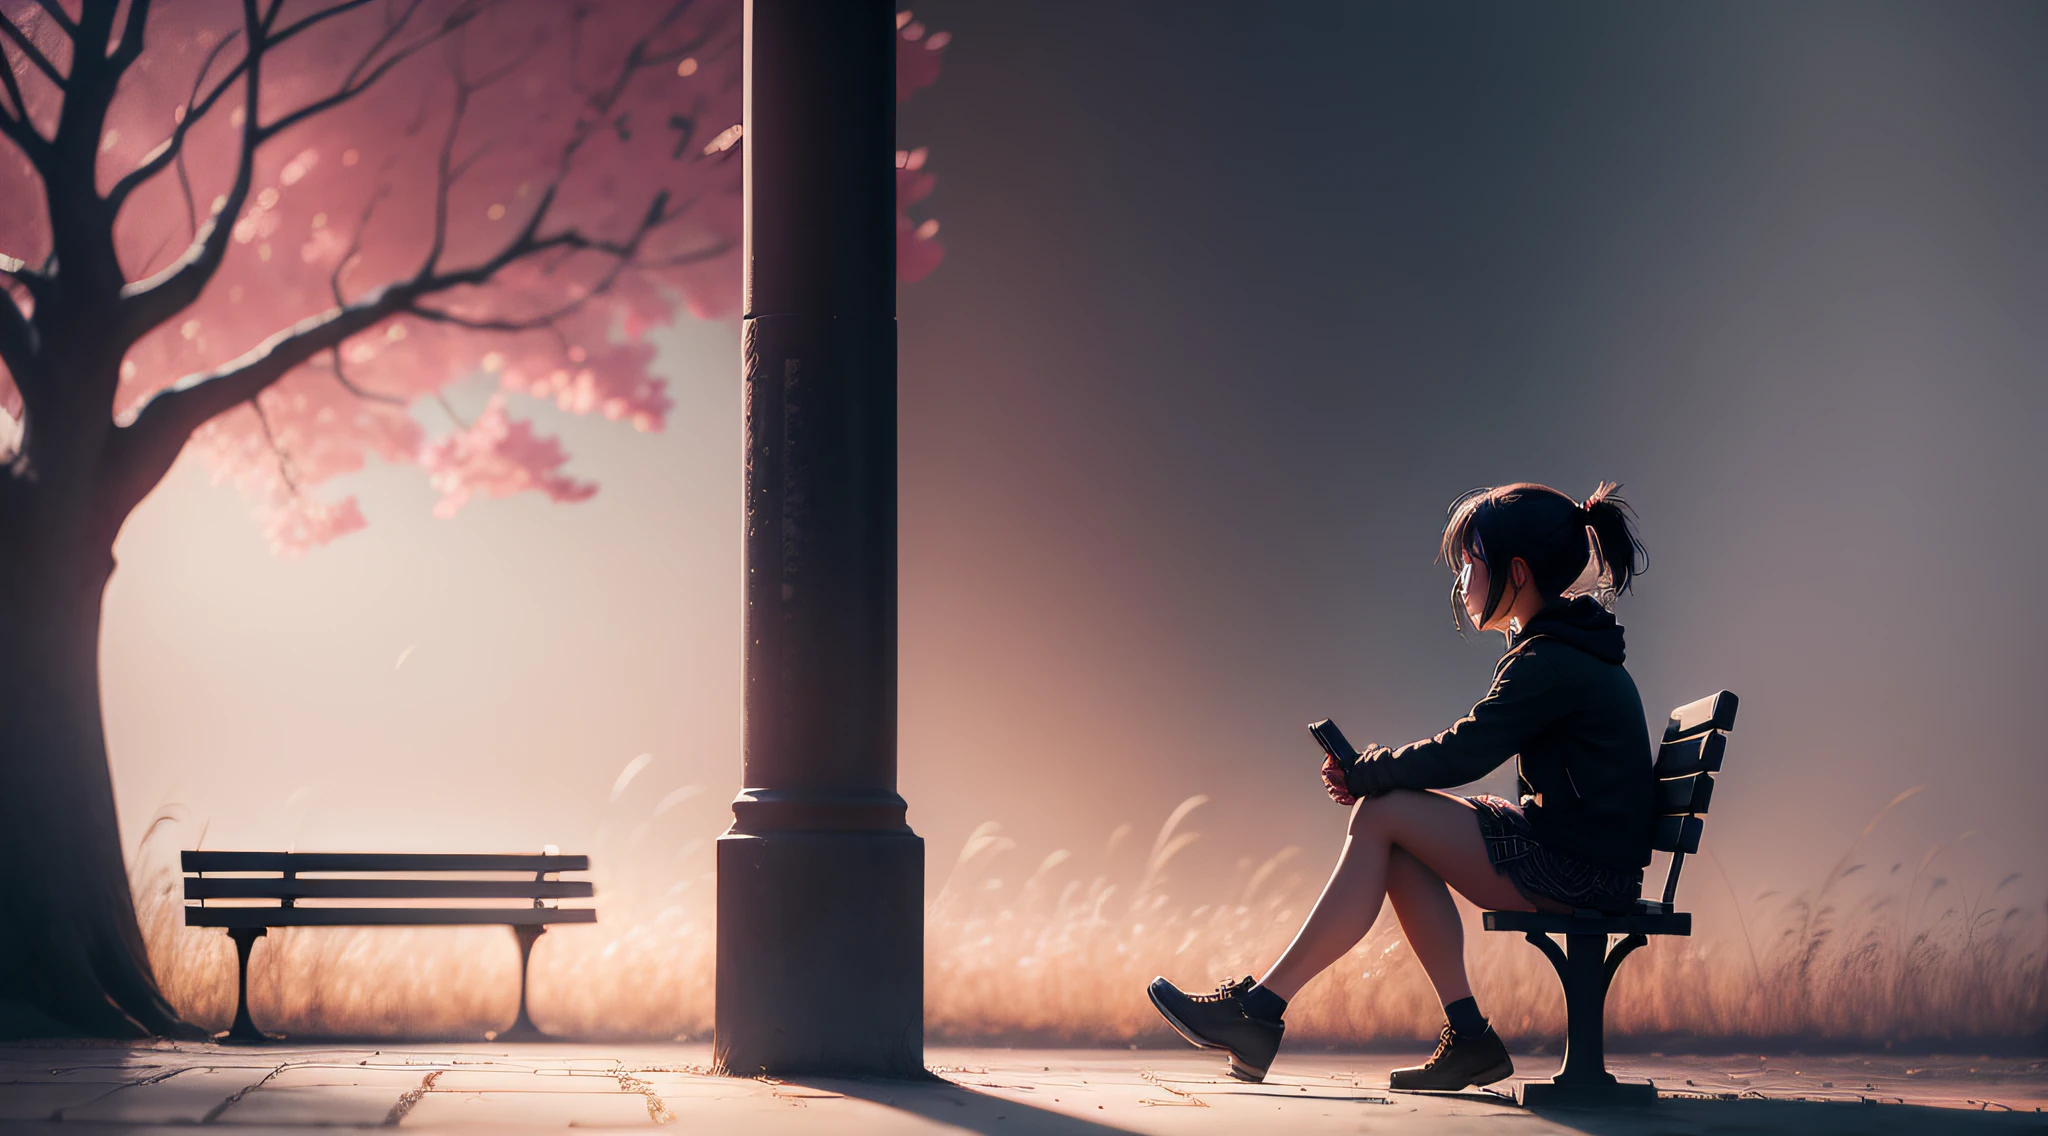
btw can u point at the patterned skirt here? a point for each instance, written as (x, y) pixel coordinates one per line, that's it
(1546, 873)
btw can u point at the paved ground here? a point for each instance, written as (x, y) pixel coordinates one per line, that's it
(507, 1088)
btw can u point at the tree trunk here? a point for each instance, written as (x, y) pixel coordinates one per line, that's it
(72, 962)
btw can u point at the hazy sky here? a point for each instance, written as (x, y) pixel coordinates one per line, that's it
(1235, 303)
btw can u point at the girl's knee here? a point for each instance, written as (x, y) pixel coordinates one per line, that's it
(1366, 814)
(1378, 814)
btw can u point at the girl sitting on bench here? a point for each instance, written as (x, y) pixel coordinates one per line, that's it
(1543, 570)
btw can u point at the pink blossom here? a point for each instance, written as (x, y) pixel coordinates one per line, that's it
(498, 457)
(917, 55)
(917, 248)
(298, 522)
(525, 108)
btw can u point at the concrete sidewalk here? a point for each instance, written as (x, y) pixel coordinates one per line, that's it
(295, 1088)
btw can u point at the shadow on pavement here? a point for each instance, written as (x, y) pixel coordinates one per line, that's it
(1682, 1116)
(947, 1103)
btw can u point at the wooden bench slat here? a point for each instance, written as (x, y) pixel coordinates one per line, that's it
(1677, 834)
(1689, 794)
(1701, 753)
(1716, 712)
(378, 862)
(197, 887)
(383, 916)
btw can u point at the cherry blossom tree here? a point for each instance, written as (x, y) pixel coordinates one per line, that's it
(271, 232)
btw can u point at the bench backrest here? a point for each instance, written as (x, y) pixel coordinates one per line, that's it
(362, 875)
(1695, 740)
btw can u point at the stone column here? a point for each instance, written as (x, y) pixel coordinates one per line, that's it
(820, 880)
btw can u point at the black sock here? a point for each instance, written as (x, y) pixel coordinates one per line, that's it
(1465, 1018)
(1263, 1004)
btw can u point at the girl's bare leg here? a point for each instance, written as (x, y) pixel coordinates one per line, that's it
(1437, 830)
(1429, 918)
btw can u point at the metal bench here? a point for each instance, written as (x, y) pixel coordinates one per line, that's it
(358, 875)
(1694, 741)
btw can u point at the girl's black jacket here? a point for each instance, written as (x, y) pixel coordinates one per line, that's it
(1564, 704)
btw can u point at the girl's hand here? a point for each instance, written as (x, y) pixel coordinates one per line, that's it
(1333, 782)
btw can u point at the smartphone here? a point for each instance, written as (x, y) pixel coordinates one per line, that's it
(1333, 742)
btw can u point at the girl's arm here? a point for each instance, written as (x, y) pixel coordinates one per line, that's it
(1524, 700)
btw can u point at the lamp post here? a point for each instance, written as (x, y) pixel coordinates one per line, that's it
(820, 879)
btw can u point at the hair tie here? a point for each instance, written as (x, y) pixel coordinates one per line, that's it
(1598, 496)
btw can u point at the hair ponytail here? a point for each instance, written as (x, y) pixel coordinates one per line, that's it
(1613, 525)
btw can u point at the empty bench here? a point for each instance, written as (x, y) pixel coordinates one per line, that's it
(1695, 740)
(266, 889)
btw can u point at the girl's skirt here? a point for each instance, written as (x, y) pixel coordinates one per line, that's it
(1546, 873)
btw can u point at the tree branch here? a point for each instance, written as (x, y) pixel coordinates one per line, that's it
(147, 303)
(196, 108)
(550, 319)
(126, 51)
(20, 108)
(17, 124)
(444, 176)
(17, 334)
(140, 453)
(347, 384)
(20, 342)
(173, 147)
(448, 408)
(354, 85)
(357, 81)
(40, 284)
(284, 460)
(20, 132)
(42, 62)
(59, 16)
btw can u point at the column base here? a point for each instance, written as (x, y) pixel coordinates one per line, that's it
(1589, 1094)
(820, 954)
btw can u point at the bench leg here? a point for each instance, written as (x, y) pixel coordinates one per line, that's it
(244, 1029)
(522, 1026)
(1585, 968)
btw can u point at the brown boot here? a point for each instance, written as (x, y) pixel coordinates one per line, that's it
(1458, 1061)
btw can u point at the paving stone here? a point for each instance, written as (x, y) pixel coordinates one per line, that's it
(31, 1101)
(701, 1086)
(64, 1072)
(313, 1105)
(323, 1074)
(525, 1081)
(501, 1110)
(186, 1097)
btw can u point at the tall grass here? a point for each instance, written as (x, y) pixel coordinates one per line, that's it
(1061, 955)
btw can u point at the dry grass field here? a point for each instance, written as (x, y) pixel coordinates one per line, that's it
(1061, 956)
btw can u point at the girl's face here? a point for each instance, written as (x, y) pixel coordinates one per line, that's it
(1518, 606)
(1473, 585)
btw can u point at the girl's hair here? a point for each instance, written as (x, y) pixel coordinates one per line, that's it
(1547, 530)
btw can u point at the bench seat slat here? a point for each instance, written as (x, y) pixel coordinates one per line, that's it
(197, 887)
(383, 916)
(1701, 753)
(1544, 922)
(378, 862)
